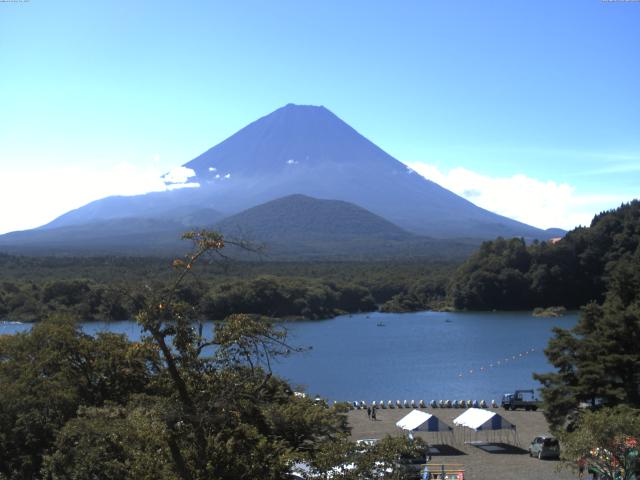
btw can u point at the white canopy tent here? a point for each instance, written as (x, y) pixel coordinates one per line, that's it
(418, 421)
(480, 420)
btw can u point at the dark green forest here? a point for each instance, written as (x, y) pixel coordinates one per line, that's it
(504, 274)
(510, 275)
(111, 288)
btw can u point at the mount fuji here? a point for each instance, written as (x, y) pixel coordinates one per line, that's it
(300, 150)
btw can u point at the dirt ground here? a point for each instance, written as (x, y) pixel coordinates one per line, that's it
(502, 457)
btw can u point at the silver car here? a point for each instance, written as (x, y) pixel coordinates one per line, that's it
(544, 447)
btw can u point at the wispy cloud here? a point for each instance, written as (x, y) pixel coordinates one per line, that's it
(542, 203)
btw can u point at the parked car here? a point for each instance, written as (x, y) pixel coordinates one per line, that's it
(544, 447)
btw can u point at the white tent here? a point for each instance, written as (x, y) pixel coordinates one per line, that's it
(480, 420)
(417, 421)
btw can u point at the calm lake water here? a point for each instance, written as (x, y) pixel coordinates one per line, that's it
(423, 355)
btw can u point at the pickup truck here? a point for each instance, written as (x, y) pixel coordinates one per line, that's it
(520, 399)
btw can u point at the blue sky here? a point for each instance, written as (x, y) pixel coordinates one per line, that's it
(531, 109)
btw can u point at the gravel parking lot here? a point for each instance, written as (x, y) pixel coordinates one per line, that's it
(502, 459)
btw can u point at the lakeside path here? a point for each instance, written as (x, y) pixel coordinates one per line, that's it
(479, 464)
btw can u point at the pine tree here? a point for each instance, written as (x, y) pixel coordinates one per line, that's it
(598, 361)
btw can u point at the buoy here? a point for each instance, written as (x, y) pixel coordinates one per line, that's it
(413, 404)
(483, 404)
(433, 404)
(422, 404)
(405, 404)
(475, 404)
(448, 403)
(382, 404)
(469, 403)
(363, 404)
(494, 404)
(390, 404)
(463, 404)
(398, 404)
(373, 404)
(355, 405)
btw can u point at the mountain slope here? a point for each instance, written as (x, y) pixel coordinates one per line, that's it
(307, 149)
(294, 150)
(299, 217)
(298, 226)
(128, 236)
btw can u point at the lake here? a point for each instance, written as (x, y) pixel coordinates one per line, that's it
(422, 355)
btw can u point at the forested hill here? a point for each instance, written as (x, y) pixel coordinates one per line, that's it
(508, 274)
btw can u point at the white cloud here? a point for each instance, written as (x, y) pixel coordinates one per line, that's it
(179, 175)
(540, 203)
(32, 198)
(176, 186)
(228, 175)
(291, 161)
(212, 169)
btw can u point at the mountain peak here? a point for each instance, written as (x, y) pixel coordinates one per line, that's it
(295, 106)
(307, 149)
(304, 135)
(302, 113)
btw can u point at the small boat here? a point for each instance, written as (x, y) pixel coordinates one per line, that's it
(380, 324)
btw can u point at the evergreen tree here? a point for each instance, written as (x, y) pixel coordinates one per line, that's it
(598, 361)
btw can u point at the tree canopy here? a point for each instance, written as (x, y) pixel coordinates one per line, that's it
(598, 361)
(183, 403)
(508, 274)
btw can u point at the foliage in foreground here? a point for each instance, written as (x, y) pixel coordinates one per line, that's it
(607, 440)
(181, 404)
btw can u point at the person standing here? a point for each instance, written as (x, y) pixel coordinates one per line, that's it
(582, 462)
(373, 413)
(368, 412)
